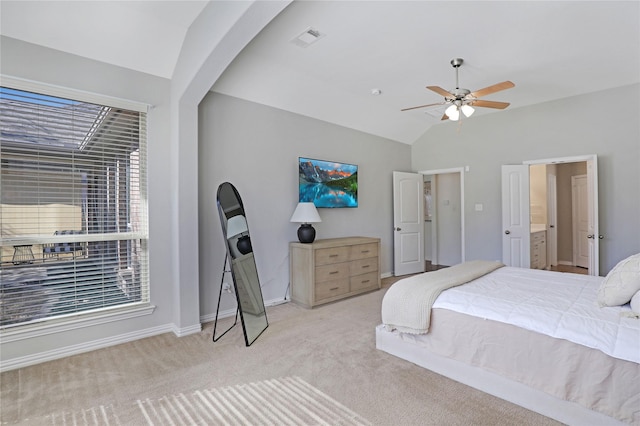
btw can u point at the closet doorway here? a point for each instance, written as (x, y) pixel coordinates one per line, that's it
(444, 218)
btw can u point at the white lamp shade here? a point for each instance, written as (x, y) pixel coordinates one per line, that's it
(453, 113)
(305, 213)
(467, 110)
(236, 225)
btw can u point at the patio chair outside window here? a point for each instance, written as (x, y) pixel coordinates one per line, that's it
(50, 250)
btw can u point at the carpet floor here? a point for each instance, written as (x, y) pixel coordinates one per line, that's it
(286, 401)
(330, 349)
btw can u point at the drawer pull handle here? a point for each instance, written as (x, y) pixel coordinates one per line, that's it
(333, 272)
(333, 255)
(365, 266)
(365, 281)
(365, 251)
(334, 288)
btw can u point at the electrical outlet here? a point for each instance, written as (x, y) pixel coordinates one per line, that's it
(226, 287)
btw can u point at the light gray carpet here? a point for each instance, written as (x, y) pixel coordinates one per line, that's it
(331, 347)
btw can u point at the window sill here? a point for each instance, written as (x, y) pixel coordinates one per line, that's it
(77, 321)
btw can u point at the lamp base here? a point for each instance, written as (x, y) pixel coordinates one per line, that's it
(306, 233)
(244, 244)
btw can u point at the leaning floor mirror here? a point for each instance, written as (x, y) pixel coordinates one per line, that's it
(235, 230)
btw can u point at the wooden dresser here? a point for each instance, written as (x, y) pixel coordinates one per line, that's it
(329, 270)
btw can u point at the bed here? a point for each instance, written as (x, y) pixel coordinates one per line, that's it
(536, 338)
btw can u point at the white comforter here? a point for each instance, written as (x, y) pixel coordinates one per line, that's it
(553, 303)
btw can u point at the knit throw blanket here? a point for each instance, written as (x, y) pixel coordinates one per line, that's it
(406, 306)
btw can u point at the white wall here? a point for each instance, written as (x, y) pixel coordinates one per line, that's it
(256, 148)
(568, 127)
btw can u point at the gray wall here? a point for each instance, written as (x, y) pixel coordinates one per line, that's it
(256, 148)
(580, 125)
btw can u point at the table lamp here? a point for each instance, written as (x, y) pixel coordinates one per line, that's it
(306, 214)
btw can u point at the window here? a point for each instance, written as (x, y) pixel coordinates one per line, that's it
(72, 206)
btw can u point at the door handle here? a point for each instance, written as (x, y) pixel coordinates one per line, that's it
(601, 237)
(552, 226)
(507, 232)
(398, 229)
(590, 236)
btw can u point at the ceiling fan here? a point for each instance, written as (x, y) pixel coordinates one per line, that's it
(463, 100)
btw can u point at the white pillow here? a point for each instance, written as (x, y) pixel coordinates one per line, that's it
(621, 283)
(635, 303)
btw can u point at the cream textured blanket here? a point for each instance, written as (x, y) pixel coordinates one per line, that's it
(406, 306)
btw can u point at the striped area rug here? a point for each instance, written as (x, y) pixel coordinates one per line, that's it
(285, 401)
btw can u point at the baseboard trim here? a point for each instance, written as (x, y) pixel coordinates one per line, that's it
(185, 331)
(66, 351)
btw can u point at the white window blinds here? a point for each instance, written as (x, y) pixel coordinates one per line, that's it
(72, 207)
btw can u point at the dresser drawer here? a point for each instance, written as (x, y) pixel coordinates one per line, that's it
(327, 289)
(332, 272)
(363, 251)
(538, 237)
(331, 255)
(364, 281)
(363, 266)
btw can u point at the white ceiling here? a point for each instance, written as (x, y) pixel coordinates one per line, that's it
(143, 35)
(549, 49)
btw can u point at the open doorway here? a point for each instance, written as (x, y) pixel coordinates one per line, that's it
(564, 204)
(559, 216)
(444, 218)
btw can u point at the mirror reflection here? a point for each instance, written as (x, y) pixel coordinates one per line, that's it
(242, 261)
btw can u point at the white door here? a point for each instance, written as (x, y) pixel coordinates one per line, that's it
(516, 228)
(594, 236)
(408, 223)
(581, 226)
(552, 217)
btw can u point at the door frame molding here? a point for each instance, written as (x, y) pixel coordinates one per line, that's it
(461, 171)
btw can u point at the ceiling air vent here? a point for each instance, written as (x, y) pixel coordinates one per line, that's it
(309, 36)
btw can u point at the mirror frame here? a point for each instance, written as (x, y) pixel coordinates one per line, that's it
(243, 254)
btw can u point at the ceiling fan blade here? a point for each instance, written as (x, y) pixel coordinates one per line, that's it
(445, 117)
(489, 104)
(491, 89)
(441, 91)
(421, 106)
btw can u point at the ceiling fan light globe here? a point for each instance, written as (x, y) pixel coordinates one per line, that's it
(453, 113)
(467, 110)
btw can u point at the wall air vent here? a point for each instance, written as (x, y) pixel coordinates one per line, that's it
(308, 37)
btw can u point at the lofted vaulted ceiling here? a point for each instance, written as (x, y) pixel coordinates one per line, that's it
(549, 49)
